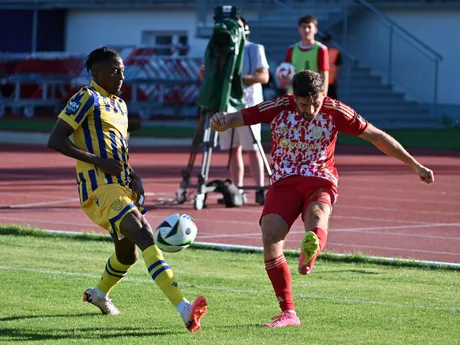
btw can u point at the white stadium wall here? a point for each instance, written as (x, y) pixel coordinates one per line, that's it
(87, 30)
(437, 28)
(367, 39)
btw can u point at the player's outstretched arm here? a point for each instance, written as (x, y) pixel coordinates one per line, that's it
(59, 141)
(223, 121)
(391, 147)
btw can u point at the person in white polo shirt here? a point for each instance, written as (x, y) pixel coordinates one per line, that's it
(255, 73)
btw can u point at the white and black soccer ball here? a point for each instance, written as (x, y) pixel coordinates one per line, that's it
(285, 70)
(175, 233)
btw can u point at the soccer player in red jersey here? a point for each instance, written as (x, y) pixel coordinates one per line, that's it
(304, 129)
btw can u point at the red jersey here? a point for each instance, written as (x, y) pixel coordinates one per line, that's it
(301, 147)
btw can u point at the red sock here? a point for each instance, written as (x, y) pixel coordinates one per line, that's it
(322, 237)
(280, 276)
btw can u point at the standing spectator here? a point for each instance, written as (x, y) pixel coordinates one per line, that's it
(307, 54)
(255, 73)
(335, 67)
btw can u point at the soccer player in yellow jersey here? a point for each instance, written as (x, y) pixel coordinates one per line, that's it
(111, 193)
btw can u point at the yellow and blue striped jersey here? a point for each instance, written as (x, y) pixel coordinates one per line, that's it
(100, 121)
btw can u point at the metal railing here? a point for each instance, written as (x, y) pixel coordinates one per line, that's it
(47, 4)
(403, 60)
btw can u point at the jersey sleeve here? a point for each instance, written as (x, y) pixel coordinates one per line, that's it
(261, 57)
(78, 107)
(288, 57)
(323, 58)
(264, 112)
(348, 120)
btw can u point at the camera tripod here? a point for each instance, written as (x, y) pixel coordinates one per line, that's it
(208, 137)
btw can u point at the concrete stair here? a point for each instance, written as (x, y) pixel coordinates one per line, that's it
(363, 90)
(359, 87)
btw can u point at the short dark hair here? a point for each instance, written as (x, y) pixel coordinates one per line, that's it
(100, 55)
(246, 28)
(307, 19)
(307, 84)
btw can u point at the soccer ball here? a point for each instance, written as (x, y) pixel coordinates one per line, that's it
(285, 70)
(175, 233)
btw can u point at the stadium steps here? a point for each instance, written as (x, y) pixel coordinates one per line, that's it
(367, 93)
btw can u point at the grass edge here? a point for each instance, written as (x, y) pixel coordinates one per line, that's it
(358, 258)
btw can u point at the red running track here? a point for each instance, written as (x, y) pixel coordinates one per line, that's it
(382, 210)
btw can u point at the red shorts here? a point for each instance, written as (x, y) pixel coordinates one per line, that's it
(292, 195)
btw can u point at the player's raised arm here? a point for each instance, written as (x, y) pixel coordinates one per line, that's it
(391, 147)
(221, 121)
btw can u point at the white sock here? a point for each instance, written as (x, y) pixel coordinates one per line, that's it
(291, 311)
(100, 294)
(181, 306)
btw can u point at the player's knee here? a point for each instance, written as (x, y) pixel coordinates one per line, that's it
(130, 223)
(274, 229)
(135, 227)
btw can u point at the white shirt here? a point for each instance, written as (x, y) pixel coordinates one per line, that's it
(254, 58)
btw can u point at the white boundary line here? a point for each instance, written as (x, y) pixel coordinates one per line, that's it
(237, 291)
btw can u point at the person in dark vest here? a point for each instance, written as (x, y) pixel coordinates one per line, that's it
(335, 66)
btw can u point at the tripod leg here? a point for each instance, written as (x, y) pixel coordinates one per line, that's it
(230, 149)
(181, 193)
(209, 141)
(268, 170)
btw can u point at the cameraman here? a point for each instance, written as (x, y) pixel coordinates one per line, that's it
(255, 73)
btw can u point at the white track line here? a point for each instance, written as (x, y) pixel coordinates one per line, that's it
(236, 291)
(392, 249)
(403, 234)
(353, 196)
(84, 223)
(381, 181)
(401, 190)
(374, 219)
(395, 209)
(429, 225)
(416, 201)
(22, 195)
(207, 220)
(45, 203)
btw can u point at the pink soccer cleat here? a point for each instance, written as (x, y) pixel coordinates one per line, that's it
(194, 313)
(284, 320)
